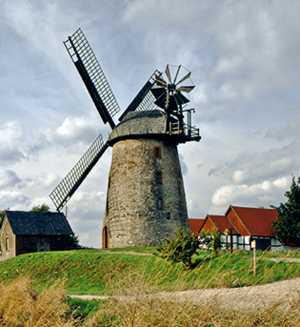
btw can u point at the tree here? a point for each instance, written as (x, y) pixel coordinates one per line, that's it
(74, 241)
(180, 248)
(212, 240)
(42, 208)
(287, 225)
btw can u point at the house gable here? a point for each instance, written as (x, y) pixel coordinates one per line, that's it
(7, 240)
(196, 224)
(219, 222)
(208, 225)
(237, 222)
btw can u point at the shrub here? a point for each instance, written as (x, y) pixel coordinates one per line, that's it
(180, 248)
(211, 240)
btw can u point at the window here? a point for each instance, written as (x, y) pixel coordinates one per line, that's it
(160, 203)
(158, 177)
(157, 152)
(7, 244)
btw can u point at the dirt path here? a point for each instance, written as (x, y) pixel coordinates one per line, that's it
(242, 298)
(124, 252)
(245, 298)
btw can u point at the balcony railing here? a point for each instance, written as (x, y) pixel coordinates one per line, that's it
(190, 132)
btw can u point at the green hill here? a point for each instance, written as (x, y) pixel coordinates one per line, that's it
(99, 273)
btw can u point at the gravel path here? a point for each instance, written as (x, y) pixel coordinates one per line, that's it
(244, 298)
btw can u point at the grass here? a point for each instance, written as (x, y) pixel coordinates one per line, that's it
(98, 273)
(33, 289)
(22, 306)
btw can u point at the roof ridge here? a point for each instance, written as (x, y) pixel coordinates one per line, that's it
(252, 208)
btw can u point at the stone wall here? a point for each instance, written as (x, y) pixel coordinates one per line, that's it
(140, 210)
(7, 241)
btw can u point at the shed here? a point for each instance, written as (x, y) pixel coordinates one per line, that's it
(25, 232)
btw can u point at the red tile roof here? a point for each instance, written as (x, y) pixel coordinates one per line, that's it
(196, 224)
(222, 223)
(257, 220)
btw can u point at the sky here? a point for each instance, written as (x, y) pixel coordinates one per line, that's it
(244, 59)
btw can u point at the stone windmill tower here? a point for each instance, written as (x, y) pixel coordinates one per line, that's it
(145, 196)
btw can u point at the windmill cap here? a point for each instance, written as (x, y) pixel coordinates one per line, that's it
(140, 124)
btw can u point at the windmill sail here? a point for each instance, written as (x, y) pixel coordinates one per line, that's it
(63, 192)
(92, 75)
(144, 100)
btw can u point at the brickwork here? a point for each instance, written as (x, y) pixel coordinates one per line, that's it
(133, 216)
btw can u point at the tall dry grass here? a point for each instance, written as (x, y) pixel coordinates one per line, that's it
(138, 307)
(20, 305)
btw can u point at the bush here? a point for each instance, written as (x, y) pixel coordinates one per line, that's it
(211, 240)
(180, 248)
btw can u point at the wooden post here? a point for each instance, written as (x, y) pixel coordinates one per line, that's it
(253, 245)
(231, 239)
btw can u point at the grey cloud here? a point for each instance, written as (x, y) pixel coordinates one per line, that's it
(8, 178)
(257, 167)
(10, 156)
(13, 200)
(184, 168)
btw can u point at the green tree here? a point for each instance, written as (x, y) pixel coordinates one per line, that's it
(212, 240)
(42, 208)
(287, 225)
(180, 248)
(74, 241)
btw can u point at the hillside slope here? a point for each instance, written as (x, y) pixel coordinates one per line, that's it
(95, 272)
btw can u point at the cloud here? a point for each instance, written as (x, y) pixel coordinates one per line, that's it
(86, 212)
(12, 200)
(184, 168)
(193, 209)
(8, 178)
(73, 130)
(270, 164)
(11, 137)
(262, 193)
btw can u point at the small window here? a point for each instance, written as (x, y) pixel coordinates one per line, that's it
(158, 177)
(157, 152)
(160, 204)
(7, 244)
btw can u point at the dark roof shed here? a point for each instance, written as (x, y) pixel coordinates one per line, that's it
(38, 223)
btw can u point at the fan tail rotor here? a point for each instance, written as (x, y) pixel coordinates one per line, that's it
(168, 74)
(186, 89)
(184, 78)
(66, 188)
(176, 74)
(160, 81)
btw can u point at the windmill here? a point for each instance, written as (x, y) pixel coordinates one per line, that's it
(145, 195)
